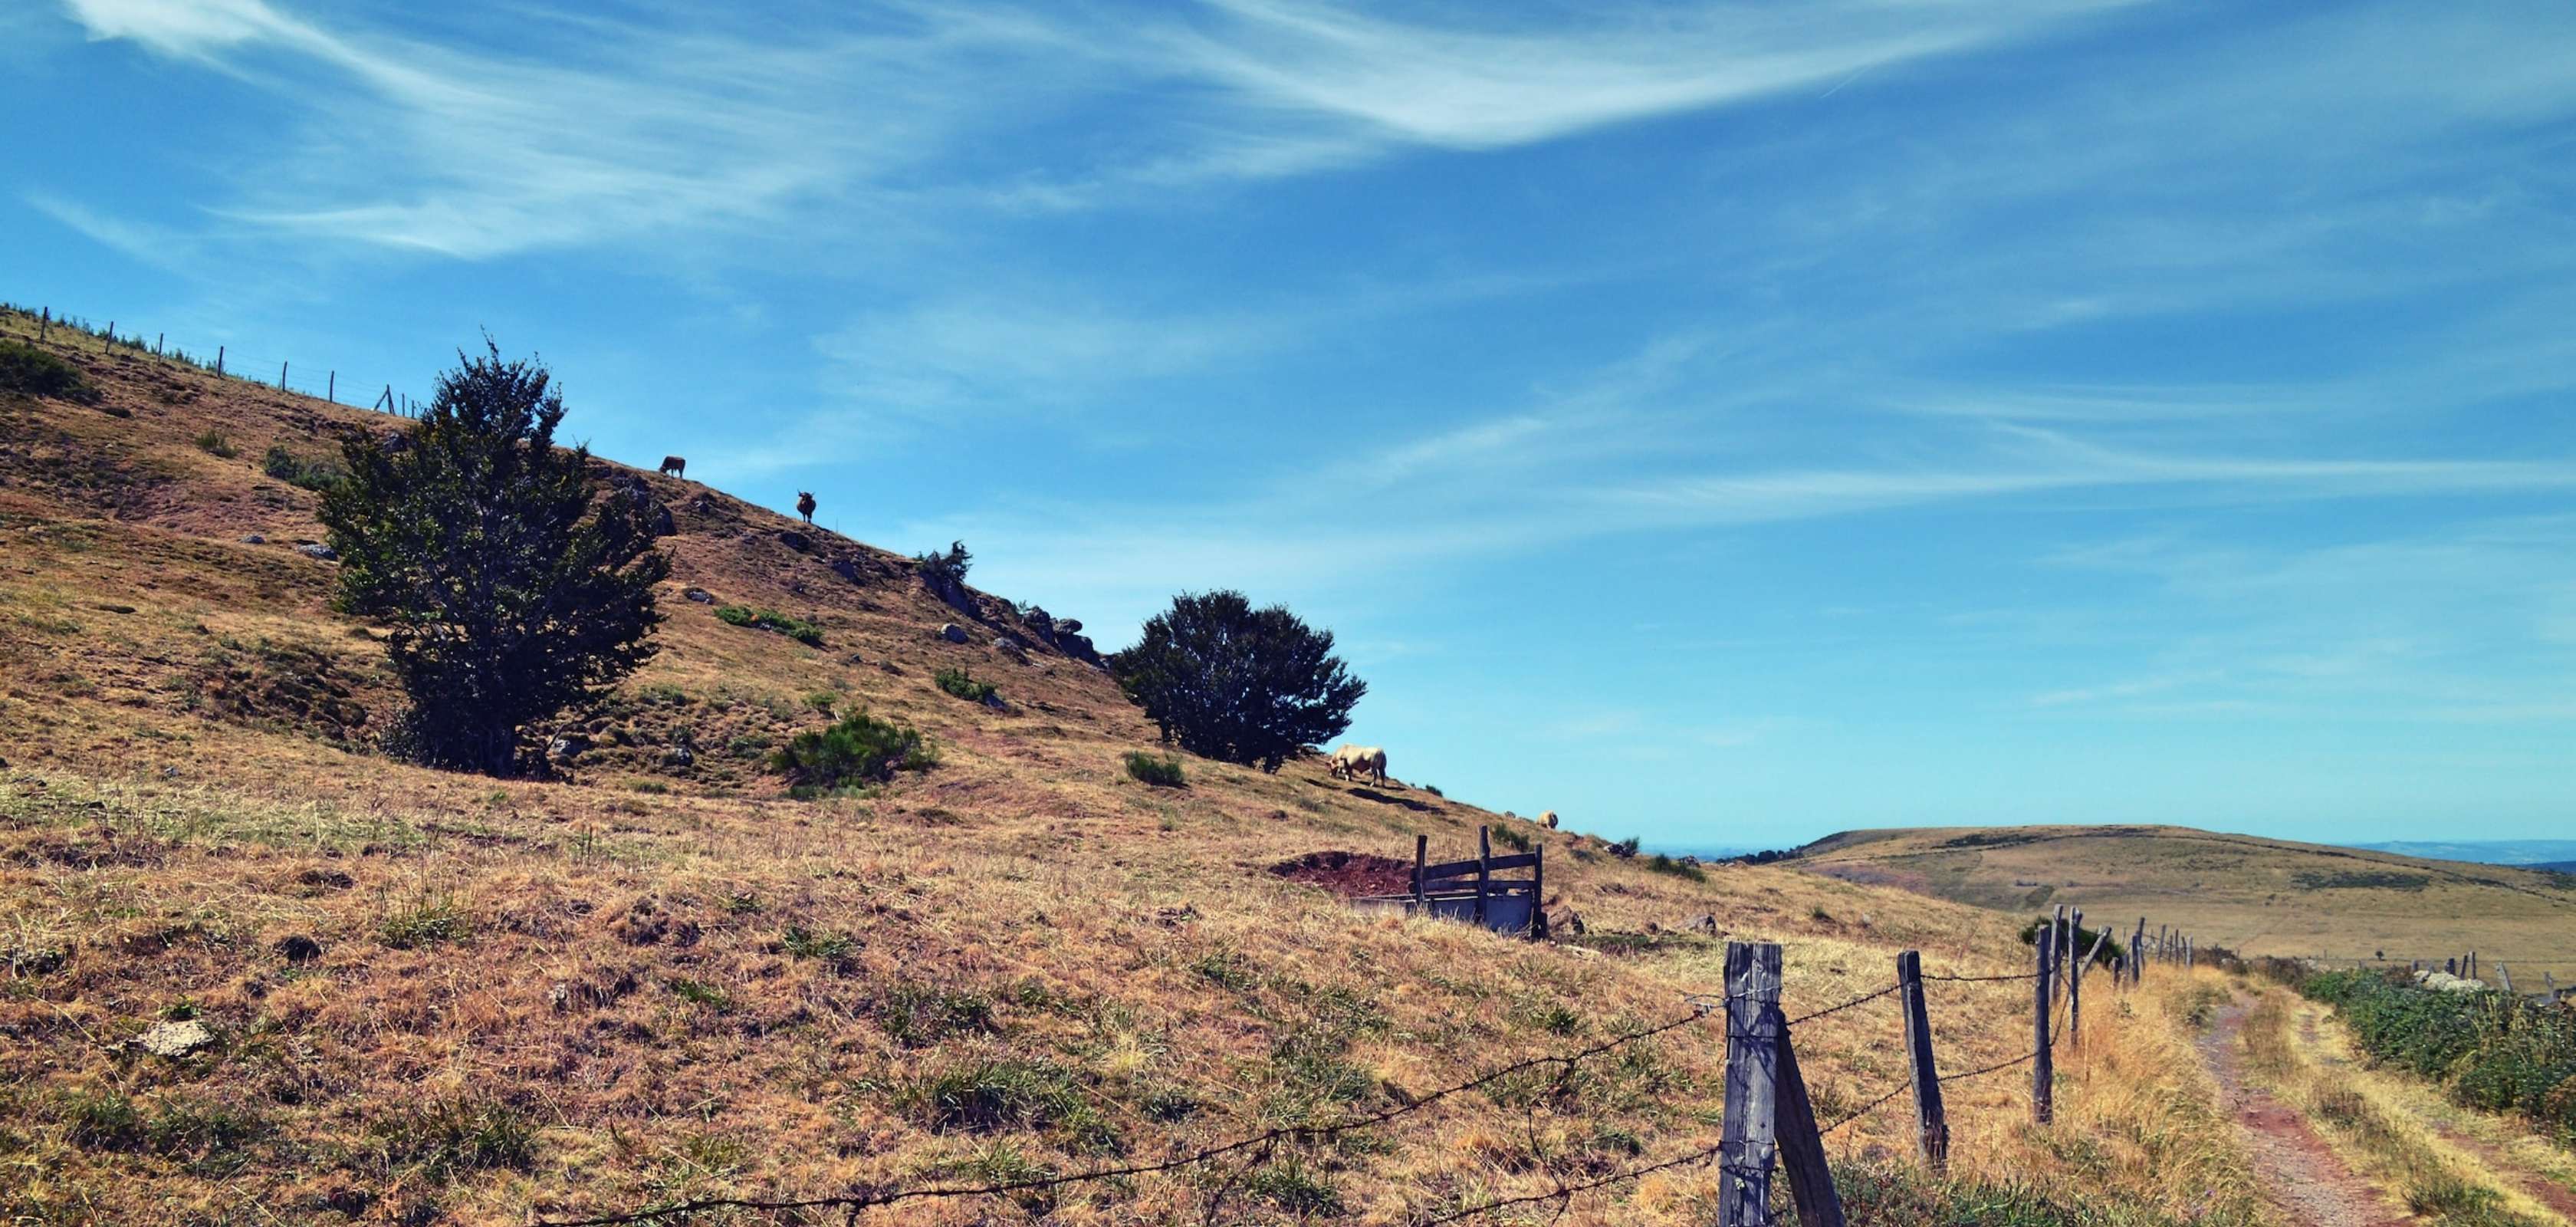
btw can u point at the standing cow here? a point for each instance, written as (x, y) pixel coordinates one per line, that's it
(1351, 762)
(674, 466)
(805, 505)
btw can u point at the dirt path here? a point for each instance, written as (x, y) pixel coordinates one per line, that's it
(2547, 1192)
(2304, 1177)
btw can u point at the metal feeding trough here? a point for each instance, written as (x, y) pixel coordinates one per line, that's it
(1468, 890)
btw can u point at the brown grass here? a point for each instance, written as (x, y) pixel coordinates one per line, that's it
(652, 982)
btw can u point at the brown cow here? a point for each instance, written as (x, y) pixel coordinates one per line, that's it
(674, 466)
(805, 505)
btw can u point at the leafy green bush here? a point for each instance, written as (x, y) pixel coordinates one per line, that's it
(294, 470)
(1624, 848)
(25, 368)
(1162, 772)
(963, 685)
(860, 749)
(771, 620)
(2496, 1052)
(1235, 683)
(2084, 939)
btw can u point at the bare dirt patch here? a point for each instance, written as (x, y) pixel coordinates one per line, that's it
(2311, 1184)
(1349, 874)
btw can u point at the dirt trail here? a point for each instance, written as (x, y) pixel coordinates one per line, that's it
(2309, 1182)
(2549, 1193)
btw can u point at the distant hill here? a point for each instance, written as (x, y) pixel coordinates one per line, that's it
(2485, 851)
(2258, 896)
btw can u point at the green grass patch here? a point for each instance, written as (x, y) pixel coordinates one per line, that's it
(771, 620)
(962, 684)
(859, 750)
(1161, 771)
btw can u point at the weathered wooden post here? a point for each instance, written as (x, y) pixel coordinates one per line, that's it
(1538, 890)
(2075, 987)
(1421, 854)
(1802, 1147)
(1484, 873)
(2506, 974)
(2043, 1074)
(219, 361)
(1931, 1123)
(281, 376)
(2450, 967)
(2189, 951)
(2138, 952)
(1747, 1140)
(331, 389)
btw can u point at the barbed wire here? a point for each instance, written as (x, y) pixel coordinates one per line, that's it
(1863, 999)
(2027, 975)
(1563, 1192)
(1902, 1088)
(2023, 1059)
(865, 1197)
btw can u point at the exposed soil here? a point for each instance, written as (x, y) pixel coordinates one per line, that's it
(2308, 1181)
(1349, 874)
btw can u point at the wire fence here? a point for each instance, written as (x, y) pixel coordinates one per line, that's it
(320, 381)
(1258, 1147)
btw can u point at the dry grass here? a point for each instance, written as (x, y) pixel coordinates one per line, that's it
(2376, 1122)
(654, 982)
(2255, 896)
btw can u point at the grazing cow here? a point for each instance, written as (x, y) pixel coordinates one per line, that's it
(805, 505)
(1351, 762)
(674, 466)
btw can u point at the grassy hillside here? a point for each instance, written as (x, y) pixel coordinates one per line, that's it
(2257, 896)
(429, 997)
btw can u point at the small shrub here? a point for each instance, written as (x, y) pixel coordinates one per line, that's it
(431, 920)
(1660, 863)
(860, 749)
(963, 685)
(944, 572)
(1512, 838)
(771, 620)
(457, 1135)
(104, 1121)
(1294, 1187)
(917, 1015)
(286, 466)
(822, 701)
(804, 943)
(25, 368)
(215, 444)
(1163, 772)
(989, 1096)
(699, 992)
(1624, 848)
(1434, 790)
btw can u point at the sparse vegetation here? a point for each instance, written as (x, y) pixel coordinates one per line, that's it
(962, 684)
(294, 470)
(33, 372)
(771, 620)
(500, 619)
(213, 443)
(859, 749)
(944, 571)
(1235, 683)
(1162, 771)
(2358, 879)
(1661, 863)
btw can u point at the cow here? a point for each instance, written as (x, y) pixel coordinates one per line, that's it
(674, 466)
(1549, 818)
(805, 505)
(1351, 762)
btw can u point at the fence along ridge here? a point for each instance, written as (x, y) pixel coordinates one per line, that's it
(227, 363)
(1765, 1092)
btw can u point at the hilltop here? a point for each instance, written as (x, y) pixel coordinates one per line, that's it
(379, 993)
(2253, 895)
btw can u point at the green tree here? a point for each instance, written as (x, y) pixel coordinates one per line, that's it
(1236, 683)
(512, 592)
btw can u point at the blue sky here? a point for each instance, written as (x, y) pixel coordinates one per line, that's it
(1724, 423)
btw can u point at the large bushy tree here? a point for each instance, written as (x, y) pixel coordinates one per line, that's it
(1236, 683)
(512, 592)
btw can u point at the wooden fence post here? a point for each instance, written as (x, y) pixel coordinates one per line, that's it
(281, 376)
(1802, 1148)
(331, 390)
(1484, 872)
(1746, 1143)
(2043, 1073)
(2138, 952)
(2188, 951)
(1931, 1123)
(2075, 988)
(157, 339)
(2507, 974)
(1421, 854)
(1538, 891)
(219, 361)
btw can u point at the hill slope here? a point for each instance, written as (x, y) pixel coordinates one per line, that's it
(429, 997)
(2252, 895)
